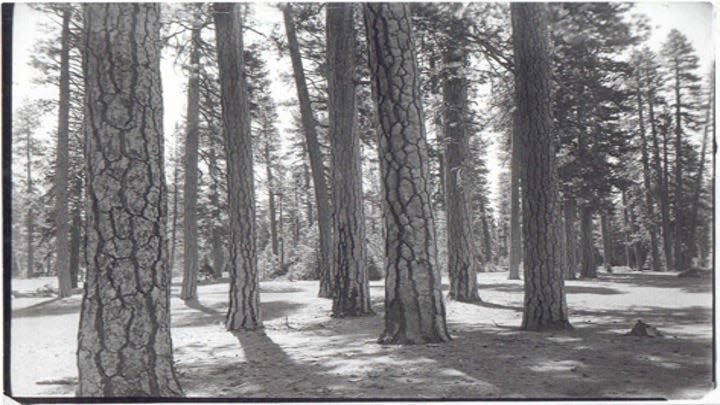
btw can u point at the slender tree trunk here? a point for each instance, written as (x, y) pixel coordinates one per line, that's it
(414, 308)
(649, 206)
(639, 259)
(545, 307)
(62, 220)
(515, 248)
(460, 239)
(570, 217)
(607, 240)
(173, 235)
(30, 215)
(308, 200)
(124, 344)
(316, 162)
(244, 307)
(629, 227)
(271, 199)
(218, 251)
(697, 190)
(192, 135)
(352, 289)
(679, 238)
(588, 267)
(662, 189)
(75, 237)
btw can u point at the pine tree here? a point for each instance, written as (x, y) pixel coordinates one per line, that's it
(545, 307)
(124, 344)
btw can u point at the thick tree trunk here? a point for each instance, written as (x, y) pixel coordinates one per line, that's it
(588, 267)
(244, 307)
(649, 206)
(316, 162)
(414, 308)
(570, 218)
(352, 288)
(460, 240)
(62, 220)
(124, 344)
(192, 136)
(515, 248)
(544, 307)
(606, 239)
(662, 189)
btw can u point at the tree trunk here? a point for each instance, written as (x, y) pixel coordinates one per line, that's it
(244, 307)
(460, 240)
(30, 215)
(414, 308)
(697, 189)
(662, 189)
(62, 220)
(218, 252)
(570, 217)
(650, 207)
(515, 248)
(606, 239)
(678, 237)
(124, 344)
(74, 266)
(192, 135)
(271, 199)
(316, 162)
(588, 267)
(629, 226)
(173, 235)
(544, 304)
(352, 288)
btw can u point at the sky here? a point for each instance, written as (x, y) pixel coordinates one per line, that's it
(694, 19)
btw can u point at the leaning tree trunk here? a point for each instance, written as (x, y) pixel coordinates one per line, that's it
(570, 216)
(515, 247)
(192, 135)
(544, 304)
(316, 162)
(124, 344)
(460, 240)
(655, 254)
(352, 288)
(62, 220)
(414, 308)
(588, 268)
(244, 307)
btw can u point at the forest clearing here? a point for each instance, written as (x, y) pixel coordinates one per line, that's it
(360, 200)
(305, 353)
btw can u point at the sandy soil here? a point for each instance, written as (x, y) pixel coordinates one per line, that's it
(304, 353)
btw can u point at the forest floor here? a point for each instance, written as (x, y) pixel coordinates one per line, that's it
(304, 353)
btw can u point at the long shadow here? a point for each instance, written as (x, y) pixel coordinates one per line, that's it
(668, 280)
(266, 371)
(268, 310)
(263, 289)
(569, 289)
(657, 316)
(46, 308)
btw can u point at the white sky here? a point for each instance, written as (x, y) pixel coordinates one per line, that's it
(694, 19)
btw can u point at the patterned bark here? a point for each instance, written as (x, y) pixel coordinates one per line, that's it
(661, 180)
(62, 220)
(244, 308)
(460, 240)
(124, 345)
(545, 307)
(352, 290)
(190, 221)
(316, 162)
(414, 309)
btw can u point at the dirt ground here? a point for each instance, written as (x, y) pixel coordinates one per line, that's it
(304, 353)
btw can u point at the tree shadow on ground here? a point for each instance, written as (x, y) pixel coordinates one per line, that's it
(226, 280)
(264, 371)
(569, 289)
(52, 307)
(656, 316)
(666, 280)
(216, 313)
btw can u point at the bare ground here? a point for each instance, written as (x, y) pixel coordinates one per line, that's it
(304, 353)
